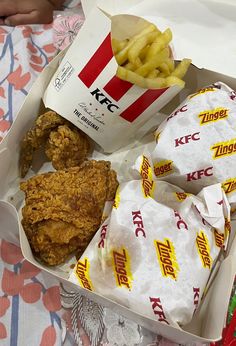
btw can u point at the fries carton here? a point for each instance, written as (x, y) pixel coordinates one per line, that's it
(208, 321)
(110, 110)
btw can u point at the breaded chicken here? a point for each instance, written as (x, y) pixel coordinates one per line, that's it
(66, 147)
(61, 138)
(63, 209)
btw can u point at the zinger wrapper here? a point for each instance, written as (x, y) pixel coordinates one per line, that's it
(196, 144)
(156, 250)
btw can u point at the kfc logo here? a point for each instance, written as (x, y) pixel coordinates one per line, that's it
(201, 173)
(186, 139)
(180, 110)
(114, 87)
(158, 309)
(138, 223)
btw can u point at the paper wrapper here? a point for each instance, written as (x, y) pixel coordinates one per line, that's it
(196, 144)
(109, 110)
(155, 252)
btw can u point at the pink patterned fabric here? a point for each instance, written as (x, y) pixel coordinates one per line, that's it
(25, 51)
(30, 305)
(65, 29)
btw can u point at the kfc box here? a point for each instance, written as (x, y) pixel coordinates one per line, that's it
(207, 324)
(109, 110)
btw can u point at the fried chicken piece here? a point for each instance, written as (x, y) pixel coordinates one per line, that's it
(66, 148)
(75, 142)
(63, 209)
(36, 137)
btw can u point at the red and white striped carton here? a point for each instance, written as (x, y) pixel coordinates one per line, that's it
(86, 91)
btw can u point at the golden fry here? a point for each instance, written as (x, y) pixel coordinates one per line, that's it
(140, 44)
(162, 75)
(153, 74)
(137, 62)
(117, 45)
(122, 56)
(172, 80)
(159, 44)
(146, 60)
(181, 69)
(130, 66)
(164, 68)
(134, 78)
(143, 52)
(153, 63)
(171, 64)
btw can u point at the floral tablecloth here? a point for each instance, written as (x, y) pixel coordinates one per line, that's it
(34, 309)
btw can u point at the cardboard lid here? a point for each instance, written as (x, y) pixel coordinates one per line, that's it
(203, 30)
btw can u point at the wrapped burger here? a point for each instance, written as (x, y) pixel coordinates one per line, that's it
(156, 250)
(196, 144)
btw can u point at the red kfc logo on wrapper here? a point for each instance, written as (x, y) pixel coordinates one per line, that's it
(158, 309)
(233, 95)
(196, 297)
(103, 236)
(186, 139)
(180, 223)
(115, 88)
(138, 223)
(201, 173)
(179, 110)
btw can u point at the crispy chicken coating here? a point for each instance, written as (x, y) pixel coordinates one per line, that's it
(66, 147)
(35, 138)
(63, 209)
(65, 144)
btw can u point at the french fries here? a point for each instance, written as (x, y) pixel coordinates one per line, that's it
(146, 60)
